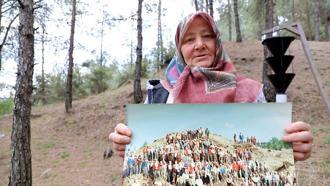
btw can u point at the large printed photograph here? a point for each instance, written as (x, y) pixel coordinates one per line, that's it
(208, 144)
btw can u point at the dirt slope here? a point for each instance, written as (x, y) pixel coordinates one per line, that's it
(71, 146)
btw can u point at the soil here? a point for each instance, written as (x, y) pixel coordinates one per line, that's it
(67, 149)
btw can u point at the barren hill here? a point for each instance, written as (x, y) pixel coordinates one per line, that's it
(68, 149)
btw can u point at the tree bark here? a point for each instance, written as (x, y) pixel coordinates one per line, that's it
(43, 84)
(68, 95)
(1, 3)
(310, 34)
(268, 88)
(160, 52)
(207, 6)
(201, 5)
(229, 21)
(138, 64)
(293, 17)
(102, 34)
(196, 5)
(237, 24)
(21, 168)
(317, 19)
(326, 25)
(211, 7)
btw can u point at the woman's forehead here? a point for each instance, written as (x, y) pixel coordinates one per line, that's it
(198, 24)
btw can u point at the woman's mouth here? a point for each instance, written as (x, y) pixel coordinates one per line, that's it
(200, 57)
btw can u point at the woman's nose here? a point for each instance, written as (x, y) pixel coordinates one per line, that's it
(199, 43)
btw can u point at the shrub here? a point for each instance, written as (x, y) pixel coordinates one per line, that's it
(6, 106)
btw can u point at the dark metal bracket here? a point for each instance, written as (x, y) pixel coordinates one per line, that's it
(297, 29)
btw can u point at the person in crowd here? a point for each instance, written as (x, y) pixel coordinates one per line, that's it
(202, 72)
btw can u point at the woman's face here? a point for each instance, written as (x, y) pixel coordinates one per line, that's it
(198, 44)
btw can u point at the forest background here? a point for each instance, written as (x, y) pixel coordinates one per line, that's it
(101, 63)
(106, 38)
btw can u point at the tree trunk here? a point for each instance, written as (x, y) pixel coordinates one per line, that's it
(201, 5)
(207, 6)
(43, 91)
(326, 25)
(68, 95)
(277, 21)
(1, 3)
(310, 34)
(196, 5)
(160, 55)
(268, 88)
(237, 25)
(317, 19)
(137, 81)
(211, 7)
(293, 12)
(21, 168)
(229, 21)
(131, 55)
(259, 30)
(102, 33)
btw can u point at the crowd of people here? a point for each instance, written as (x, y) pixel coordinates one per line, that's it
(250, 139)
(192, 158)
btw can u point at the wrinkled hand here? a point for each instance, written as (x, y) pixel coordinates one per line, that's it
(299, 134)
(120, 138)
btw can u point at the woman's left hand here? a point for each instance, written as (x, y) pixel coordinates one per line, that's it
(299, 134)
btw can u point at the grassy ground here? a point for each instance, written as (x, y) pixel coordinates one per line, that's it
(71, 147)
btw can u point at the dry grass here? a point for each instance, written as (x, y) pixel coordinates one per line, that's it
(72, 146)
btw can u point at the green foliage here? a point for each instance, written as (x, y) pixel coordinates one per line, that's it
(54, 88)
(98, 78)
(64, 154)
(45, 145)
(151, 59)
(127, 72)
(327, 140)
(169, 52)
(6, 106)
(79, 87)
(276, 144)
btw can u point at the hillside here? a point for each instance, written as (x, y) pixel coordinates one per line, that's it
(70, 147)
(280, 161)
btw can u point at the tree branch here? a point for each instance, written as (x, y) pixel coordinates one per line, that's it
(7, 31)
(6, 8)
(21, 4)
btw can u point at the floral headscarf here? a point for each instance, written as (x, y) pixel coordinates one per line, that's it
(214, 84)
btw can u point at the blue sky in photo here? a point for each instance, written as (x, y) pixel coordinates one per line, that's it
(153, 121)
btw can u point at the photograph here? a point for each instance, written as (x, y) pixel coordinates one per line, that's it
(209, 144)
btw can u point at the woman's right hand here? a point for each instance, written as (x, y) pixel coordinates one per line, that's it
(120, 138)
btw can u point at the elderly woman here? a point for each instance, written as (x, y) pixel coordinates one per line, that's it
(201, 72)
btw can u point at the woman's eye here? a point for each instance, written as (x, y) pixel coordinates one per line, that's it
(189, 39)
(208, 36)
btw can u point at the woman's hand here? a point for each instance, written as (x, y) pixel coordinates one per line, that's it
(299, 134)
(120, 138)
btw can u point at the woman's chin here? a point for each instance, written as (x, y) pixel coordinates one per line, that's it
(204, 64)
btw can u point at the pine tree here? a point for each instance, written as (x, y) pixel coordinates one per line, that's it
(237, 24)
(21, 166)
(268, 88)
(68, 94)
(138, 64)
(229, 20)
